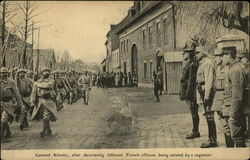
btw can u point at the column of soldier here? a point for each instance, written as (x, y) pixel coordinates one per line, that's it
(218, 85)
(38, 96)
(117, 79)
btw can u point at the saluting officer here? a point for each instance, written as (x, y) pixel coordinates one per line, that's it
(8, 92)
(44, 92)
(187, 90)
(205, 80)
(235, 95)
(24, 86)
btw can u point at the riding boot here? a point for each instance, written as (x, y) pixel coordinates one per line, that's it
(239, 144)
(42, 134)
(48, 129)
(3, 128)
(8, 132)
(229, 141)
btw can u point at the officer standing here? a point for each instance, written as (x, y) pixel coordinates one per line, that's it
(157, 86)
(235, 95)
(218, 102)
(84, 83)
(44, 92)
(187, 90)
(8, 92)
(205, 80)
(24, 86)
(160, 75)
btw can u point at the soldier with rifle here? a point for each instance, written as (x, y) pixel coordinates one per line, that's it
(44, 91)
(61, 88)
(205, 80)
(8, 108)
(73, 85)
(24, 87)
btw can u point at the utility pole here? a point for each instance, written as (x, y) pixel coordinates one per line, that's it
(38, 50)
(31, 56)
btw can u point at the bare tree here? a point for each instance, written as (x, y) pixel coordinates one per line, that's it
(7, 13)
(28, 10)
(229, 14)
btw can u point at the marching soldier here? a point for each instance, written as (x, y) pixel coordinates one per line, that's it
(73, 85)
(44, 92)
(30, 75)
(61, 87)
(187, 91)
(205, 80)
(24, 86)
(8, 92)
(235, 95)
(84, 83)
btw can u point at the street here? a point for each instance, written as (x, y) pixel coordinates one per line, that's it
(153, 125)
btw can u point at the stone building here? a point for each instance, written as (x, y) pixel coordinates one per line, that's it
(152, 38)
(145, 39)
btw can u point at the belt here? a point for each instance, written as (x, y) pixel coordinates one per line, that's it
(220, 89)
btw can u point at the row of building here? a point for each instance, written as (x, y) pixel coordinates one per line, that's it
(149, 37)
(36, 59)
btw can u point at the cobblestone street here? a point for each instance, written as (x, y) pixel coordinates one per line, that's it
(153, 125)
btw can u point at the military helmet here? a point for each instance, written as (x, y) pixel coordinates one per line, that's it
(30, 72)
(4, 70)
(21, 70)
(46, 69)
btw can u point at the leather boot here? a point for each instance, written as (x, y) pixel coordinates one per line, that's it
(209, 144)
(8, 132)
(193, 135)
(48, 131)
(3, 128)
(229, 141)
(239, 144)
(42, 134)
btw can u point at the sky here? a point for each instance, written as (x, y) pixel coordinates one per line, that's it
(78, 27)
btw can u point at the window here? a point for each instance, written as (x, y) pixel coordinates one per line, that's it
(144, 39)
(150, 30)
(124, 46)
(121, 46)
(166, 26)
(127, 45)
(158, 33)
(145, 69)
(125, 67)
(151, 70)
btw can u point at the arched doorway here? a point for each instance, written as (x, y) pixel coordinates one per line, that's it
(134, 59)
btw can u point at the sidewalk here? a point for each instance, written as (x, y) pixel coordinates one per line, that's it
(164, 124)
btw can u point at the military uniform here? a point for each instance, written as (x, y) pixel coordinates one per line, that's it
(187, 92)
(84, 83)
(44, 92)
(62, 89)
(205, 80)
(73, 85)
(24, 86)
(8, 92)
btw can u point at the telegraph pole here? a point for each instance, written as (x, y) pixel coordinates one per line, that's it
(38, 50)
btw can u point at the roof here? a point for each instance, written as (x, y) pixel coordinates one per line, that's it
(137, 16)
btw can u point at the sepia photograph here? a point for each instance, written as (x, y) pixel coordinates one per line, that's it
(124, 80)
